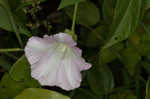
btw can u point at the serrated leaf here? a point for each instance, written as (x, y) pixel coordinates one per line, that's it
(37, 93)
(65, 3)
(87, 13)
(126, 19)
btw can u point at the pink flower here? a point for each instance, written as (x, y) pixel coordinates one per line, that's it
(56, 61)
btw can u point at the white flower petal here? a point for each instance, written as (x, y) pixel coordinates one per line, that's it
(56, 61)
(36, 48)
(65, 38)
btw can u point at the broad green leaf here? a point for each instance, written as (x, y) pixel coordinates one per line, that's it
(108, 10)
(9, 88)
(37, 93)
(108, 55)
(4, 20)
(148, 89)
(65, 3)
(144, 47)
(130, 57)
(20, 70)
(100, 79)
(135, 39)
(87, 13)
(9, 21)
(94, 39)
(17, 80)
(126, 19)
(146, 5)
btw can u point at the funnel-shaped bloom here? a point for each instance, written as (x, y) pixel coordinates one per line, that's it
(56, 61)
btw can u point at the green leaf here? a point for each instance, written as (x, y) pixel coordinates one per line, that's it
(146, 5)
(37, 93)
(65, 3)
(144, 47)
(17, 80)
(20, 70)
(130, 57)
(4, 20)
(94, 39)
(108, 10)
(148, 89)
(87, 13)
(100, 79)
(9, 88)
(9, 20)
(126, 19)
(108, 55)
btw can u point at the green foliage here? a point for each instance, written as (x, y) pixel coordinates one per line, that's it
(65, 3)
(147, 90)
(4, 18)
(126, 19)
(84, 94)
(130, 57)
(113, 35)
(33, 93)
(123, 95)
(5, 63)
(87, 13)
(101, 79)
(94, 38)
(9, 88)
(146, 4)
(108, 55)
(10, 21)
(20, 70)
(17, 80)
(108, 10)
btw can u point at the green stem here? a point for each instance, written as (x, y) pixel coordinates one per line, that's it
(8, 10)
(11, 50)
(74, 17)
(15, 29)
(10, 55)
